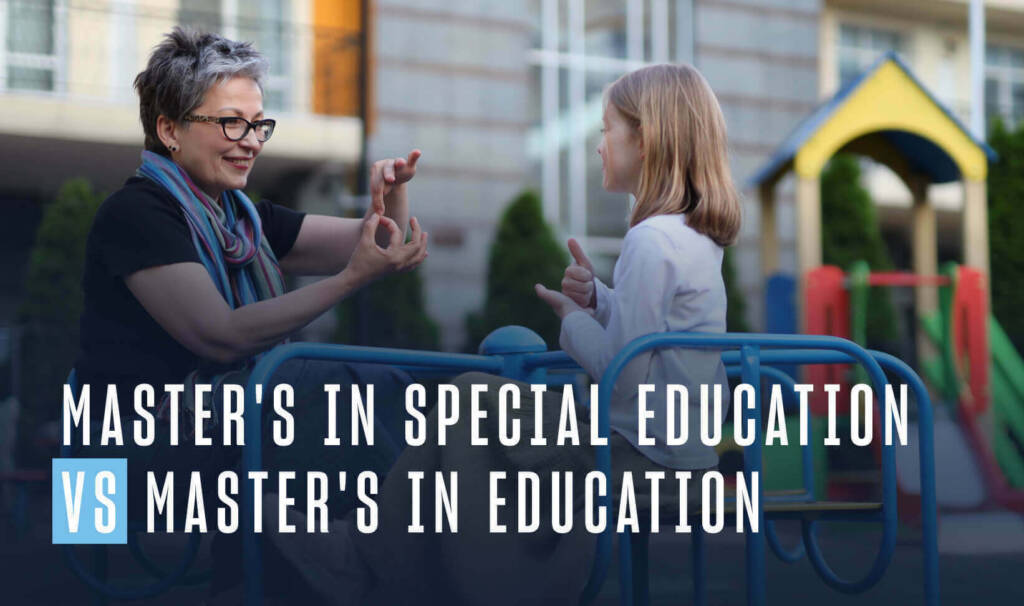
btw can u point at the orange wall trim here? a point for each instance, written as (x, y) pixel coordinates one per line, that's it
(337, 29)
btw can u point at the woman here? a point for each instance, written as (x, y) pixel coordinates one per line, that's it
(184, 276)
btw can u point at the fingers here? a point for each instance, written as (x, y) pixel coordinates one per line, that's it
(421, 252)
(417, 246)
(394, 233)
(545, 295)
(579, 273)
(414, 156)
(388, 170)
(578, 255)
(377, 188)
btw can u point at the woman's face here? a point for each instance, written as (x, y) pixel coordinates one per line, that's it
(214, 162)
(621, 158)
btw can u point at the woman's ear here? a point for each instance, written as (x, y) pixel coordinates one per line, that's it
(640, 141)
(167, 130)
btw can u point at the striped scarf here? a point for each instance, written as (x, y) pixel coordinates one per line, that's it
(231, 244)
(228, 237)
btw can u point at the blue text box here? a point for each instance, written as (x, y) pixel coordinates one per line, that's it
(96, 490)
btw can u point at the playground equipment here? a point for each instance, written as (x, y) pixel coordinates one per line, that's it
(523, 358)
(984, 444)
(886, 114)
(517, 353)
(980, 370)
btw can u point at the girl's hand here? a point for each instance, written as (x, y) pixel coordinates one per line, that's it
(561, 304)
(370, 261)
(387, 175)
(578, 281)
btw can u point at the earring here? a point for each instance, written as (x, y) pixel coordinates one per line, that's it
(174, 148)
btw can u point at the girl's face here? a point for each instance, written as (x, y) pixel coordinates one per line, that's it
(620, 151)
(212, 160)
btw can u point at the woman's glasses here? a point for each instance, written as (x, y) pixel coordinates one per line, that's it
(236, 128)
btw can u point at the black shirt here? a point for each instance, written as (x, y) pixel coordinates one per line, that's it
(139, 226)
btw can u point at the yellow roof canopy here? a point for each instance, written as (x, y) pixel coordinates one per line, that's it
(888, 115)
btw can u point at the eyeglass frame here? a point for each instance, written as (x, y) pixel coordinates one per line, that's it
(223, 121)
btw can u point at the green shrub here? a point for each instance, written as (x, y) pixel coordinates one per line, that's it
(524, 253)
(1005, 221)
(50, 311)
(736, 312)
(395, 315)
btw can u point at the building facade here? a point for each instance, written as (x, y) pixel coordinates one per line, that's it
(501, 96)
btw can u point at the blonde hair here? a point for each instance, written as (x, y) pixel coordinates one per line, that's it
(685, 168)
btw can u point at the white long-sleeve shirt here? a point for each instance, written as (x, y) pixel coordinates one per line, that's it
(668, 278)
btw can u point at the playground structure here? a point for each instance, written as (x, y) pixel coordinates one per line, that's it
(888, 115)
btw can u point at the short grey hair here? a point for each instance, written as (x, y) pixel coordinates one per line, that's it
(185, 65)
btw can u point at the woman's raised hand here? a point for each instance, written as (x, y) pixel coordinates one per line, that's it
(371, 261)
(388, 174)
(578, 281)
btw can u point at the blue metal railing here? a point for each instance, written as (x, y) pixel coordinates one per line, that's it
(750, 356)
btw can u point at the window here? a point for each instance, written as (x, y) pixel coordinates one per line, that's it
(264, 23)
(1004, 84)
(860, 47)
(32, 45)
(580, 48)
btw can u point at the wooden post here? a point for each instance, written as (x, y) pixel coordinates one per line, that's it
(769, 231)
(808, 235)
(976, 226)
(925, 263)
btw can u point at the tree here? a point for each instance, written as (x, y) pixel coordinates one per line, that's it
(51, 308)
(524, 253)
(1005, 218)
(850, 233)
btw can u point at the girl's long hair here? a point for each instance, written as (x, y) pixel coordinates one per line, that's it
(685, 168)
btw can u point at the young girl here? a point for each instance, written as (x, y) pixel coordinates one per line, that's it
(664, 142)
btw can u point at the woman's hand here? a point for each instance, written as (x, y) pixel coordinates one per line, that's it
(560, 304)
(386, 176)
(371, 261)
(578, 281)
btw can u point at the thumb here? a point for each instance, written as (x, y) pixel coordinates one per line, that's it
(578, 255)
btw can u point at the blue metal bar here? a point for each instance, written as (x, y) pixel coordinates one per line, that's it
(550, 360)
(750, 360)
(781, 552)
(815, 351)
(929, 516)
(926, 454)
(797, 349)
(806, 459)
